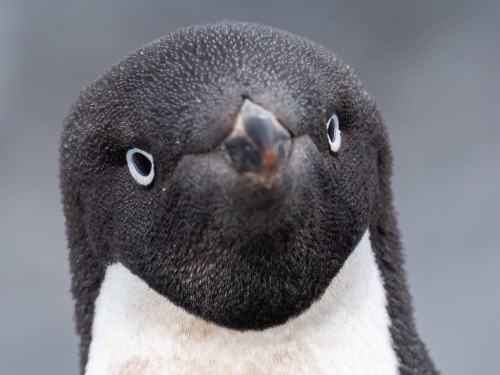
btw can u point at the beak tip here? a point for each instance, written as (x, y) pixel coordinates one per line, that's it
(270, 159)
(258, 142)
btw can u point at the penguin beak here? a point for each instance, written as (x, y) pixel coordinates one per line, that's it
(258, 145)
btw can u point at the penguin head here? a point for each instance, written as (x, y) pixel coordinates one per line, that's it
(233, 167)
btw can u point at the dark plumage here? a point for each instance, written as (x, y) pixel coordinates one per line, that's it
(227, 249)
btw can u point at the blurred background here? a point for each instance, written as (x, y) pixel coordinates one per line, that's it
(433, 67)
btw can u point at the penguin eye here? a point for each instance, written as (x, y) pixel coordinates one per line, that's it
(333, 133)
(140, 165)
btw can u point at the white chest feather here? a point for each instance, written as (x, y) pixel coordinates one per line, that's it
(136, 331)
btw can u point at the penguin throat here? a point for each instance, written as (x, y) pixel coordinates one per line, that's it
(138, 331)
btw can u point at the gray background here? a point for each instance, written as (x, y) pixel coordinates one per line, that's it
(432, 65)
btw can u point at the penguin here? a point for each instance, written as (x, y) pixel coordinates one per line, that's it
(229, 210)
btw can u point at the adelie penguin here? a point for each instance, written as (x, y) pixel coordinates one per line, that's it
(229, 211)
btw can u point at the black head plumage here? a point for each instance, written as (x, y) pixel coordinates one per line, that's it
(219, 243)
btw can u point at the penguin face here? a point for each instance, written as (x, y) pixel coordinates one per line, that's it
(242, 236)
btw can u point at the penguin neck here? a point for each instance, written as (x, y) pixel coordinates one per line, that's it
(138, 331)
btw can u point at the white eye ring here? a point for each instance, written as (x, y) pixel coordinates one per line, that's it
(141, 166)
(333, 134)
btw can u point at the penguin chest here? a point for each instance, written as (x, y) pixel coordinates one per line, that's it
(138, 331)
